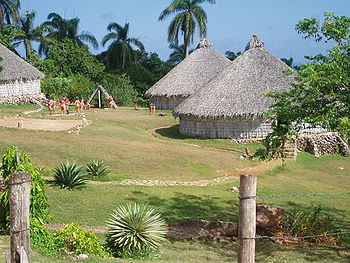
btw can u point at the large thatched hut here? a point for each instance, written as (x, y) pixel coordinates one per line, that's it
(202, 65)
(17, 77)
(232, 104)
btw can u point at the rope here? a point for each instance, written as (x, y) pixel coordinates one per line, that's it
(302, 237)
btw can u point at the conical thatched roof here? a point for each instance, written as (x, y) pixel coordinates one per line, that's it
(240, 89)
(193, 72)
(15, 68)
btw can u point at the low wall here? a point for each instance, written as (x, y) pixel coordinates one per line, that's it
(36, 99)
(167, 103)
(329, 143)
(19, 88)
(230, 128)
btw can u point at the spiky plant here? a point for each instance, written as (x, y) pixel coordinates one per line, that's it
(96, 168)
(135, 227)
(69, 175)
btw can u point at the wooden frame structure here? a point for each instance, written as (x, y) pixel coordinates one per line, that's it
(99, 91)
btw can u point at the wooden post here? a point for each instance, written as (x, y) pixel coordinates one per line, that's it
(99, 99)
(19, 194)
(247, 219)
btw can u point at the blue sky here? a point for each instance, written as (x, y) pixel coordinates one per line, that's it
(230, 22)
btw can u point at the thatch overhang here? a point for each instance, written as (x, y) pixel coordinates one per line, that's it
(202, 65)
(16, 69)
(239, 91)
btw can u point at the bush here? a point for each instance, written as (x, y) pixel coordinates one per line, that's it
(96, 169)
(14, 161)
(55, 87)
(134, 230)
(312, 221)
(41, 238)
(73, 238)
(69, 175)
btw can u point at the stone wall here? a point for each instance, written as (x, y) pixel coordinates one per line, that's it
(19, 88)
(167, 103)
(235, 128)
(329, 143)
(36, 99)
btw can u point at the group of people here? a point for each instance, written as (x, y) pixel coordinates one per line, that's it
(64, 104)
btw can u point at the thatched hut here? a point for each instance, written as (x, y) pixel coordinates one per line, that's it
(202, 65)
(17, 77)
(232, 104)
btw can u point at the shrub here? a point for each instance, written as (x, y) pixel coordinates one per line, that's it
(96, 168)
(13, 161)
(312, 221)
(69, 175)
(73, 238)
(55, 86)
(134, 230)
(41, 238)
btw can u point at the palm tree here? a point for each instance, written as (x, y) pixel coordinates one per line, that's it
(232, 55)
(289, 62)
(189, 15)
(178, 53)
(24, 31)
(120, 52)
(8, 12)
(60, 28)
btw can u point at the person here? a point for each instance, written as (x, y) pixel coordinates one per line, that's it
(63, 106)
(110, 102)
(51, 106)
(82, 105)
(77, 105)
(87, 106)
(67, 105)
(152, 108)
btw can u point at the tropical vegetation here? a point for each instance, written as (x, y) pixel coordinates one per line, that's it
(69, 175)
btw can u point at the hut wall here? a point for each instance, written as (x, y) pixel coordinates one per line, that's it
(167, 103)
(237, 128)
(18, 88)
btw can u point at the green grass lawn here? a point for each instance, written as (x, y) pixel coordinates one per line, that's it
(136, 145)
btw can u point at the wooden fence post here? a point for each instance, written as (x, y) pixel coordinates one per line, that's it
(19, 195)
(247, 219)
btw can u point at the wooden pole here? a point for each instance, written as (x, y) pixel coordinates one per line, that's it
(99, 99)
(247, 219)
(19, 194)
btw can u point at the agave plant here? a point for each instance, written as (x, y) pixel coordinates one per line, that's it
(135, 227)
(69, 175)
(96, 168)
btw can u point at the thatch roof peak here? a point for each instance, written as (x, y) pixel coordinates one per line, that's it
(197, 69)
(205, 43)
(239, 90)
(254, 42)
(15, 68)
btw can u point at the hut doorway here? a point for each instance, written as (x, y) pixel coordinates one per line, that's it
(101, 92)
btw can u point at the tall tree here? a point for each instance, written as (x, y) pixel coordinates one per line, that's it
(8, 12)
(60, 28)
(178, 53)
(120, 52)
(188, 15)
(24, 31)
(320, 97)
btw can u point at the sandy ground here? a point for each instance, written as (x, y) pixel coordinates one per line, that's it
(41, 124)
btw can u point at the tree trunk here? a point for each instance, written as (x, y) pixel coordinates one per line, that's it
(186, 44)
(28, 46)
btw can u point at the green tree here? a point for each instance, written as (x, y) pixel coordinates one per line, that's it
(232, 55)
(24, 31)
(178, 54)
(67, 58)
(8, 12)
(60, 28)
(188, 15)
(120, 52)
(321, 94)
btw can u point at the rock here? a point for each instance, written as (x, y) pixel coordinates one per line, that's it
(20, 124)
(82, 257)
(234, 189)
(268, 216)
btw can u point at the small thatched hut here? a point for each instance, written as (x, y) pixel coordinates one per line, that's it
(202, 65)
(17, 77)
(232, 104)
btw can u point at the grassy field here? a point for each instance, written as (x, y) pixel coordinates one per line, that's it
(136, 145)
